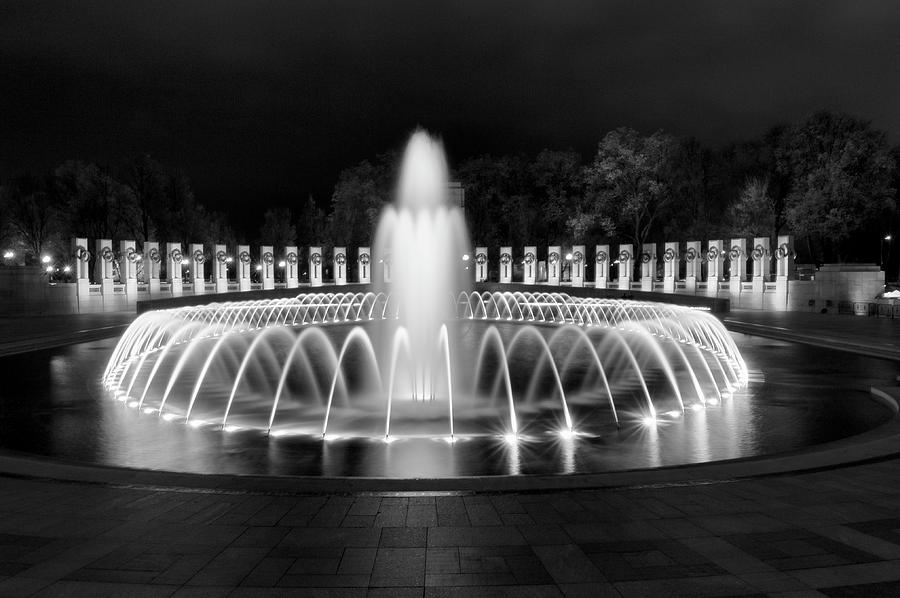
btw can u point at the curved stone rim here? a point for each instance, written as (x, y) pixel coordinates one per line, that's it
(877, 444)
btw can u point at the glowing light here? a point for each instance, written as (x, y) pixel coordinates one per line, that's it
(465, 257)
(231, 428)
(282, 264)
(67, 269)
(229, 259)
(8, 254)
(887, 237)
(450, 439)
(49, 269)
(46, 259)
(567, 434)
(196, 423)
(712, 402)
(148, 410)
(649, 421)
(674, 413)
(569, 256)
(696, 407)
(389, 439)
(170, 416)
(511, 438)
(258, 267)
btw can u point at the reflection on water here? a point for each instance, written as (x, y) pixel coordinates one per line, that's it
(52, 403)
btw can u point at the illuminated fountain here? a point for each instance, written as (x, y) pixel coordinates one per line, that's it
(423, 356)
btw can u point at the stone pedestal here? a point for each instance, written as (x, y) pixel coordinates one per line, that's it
(506, 265)
(601, 266)
(481, 264)
(578, 263)
(128, 262)
(198, 270)
(244, 266)
(784, 257)
(626, 266)
(174, 259)
(692, 266)
(529, 263)
(220, 268)
(291, 267)
(364, 263)
(340, 266)
(152, 267)
(267, 261)
(648, 266)
(670, 267)
(715, 266)
(554, 265)
(737, 257)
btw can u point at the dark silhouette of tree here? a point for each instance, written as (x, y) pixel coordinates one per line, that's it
(33, 221)
(146, 180)
(277, 229)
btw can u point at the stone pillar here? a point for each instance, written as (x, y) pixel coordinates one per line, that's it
(578, 263)
(174, 258)
(152, 266)
(244, 264)
(715, 262)
(220, 268)
(267, 261)
(601, 267)
(481, 264)
(761, 261)
(784, 267)
(291, 267)
(692, 271)
(364, 262)
(198, 271)
(82, 266)
(554, 265)
(648, 266)
(529, 274)
(340, 265)
(103, 266)
(670, 267)
(506, 265)
(128, 262)
(737, 256)
(316, 266)
(626, 266)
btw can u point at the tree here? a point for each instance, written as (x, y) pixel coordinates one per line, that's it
(145, 179)
(95, 203)
(33, 217)
(559, 190)
(754, 213)
(629, 183)
(359, 197)
(840, 172)
(277, 229)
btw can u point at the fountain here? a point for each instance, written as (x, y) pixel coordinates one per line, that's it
(423, 355)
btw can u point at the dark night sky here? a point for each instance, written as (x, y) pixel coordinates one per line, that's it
(263, 102)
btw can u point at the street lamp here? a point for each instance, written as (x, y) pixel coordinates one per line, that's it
(887, 238)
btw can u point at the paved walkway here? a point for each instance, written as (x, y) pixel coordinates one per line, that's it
(834, 532)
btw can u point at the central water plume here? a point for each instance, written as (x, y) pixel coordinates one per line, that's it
(420, 246)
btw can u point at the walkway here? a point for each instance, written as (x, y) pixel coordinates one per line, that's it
(832, 532)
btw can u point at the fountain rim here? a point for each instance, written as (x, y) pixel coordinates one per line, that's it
(876, 444)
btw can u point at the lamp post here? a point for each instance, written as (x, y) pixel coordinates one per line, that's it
(881, 247)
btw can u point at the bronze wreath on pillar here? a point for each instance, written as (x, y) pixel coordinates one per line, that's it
(292, 258)
(624, 256)
(340, 259)
(198, 256)
(107, 254)
(505, 258)
(244, 257)
(712, 254)
(176, 255)
(154, 255)
(645, 258)
(364, 259)
(758, 252)
(553, 257)
(784, 250)
(268, 258)
(480, 259)
(529, 258)
(577, 257)
(82, 254)
(316, 259)
(691, 254)
(221, 257)
(601, 257)
(131, 255)
(735, 252)
(669, 254)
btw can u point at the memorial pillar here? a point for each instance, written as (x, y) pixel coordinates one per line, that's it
(152, 266)
(670, 267)
(340, 266)
(784, 268)
(481, 264)
(554, 265)
(648, 266)
(220, 269)
(578, 264)
(715, 262)
(128, 262)
(761, 259)
(267, 261)
(626, 266)
(601, 267)
(174, 258)
(244, 265)
(506, 265)
(529, 274)
(82, 266)
(291, 267)
(692, 266)
(364, 262)
(197, 269)
(737, 257)
(103, 266)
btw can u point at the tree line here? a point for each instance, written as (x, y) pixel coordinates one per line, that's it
(830, 179)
